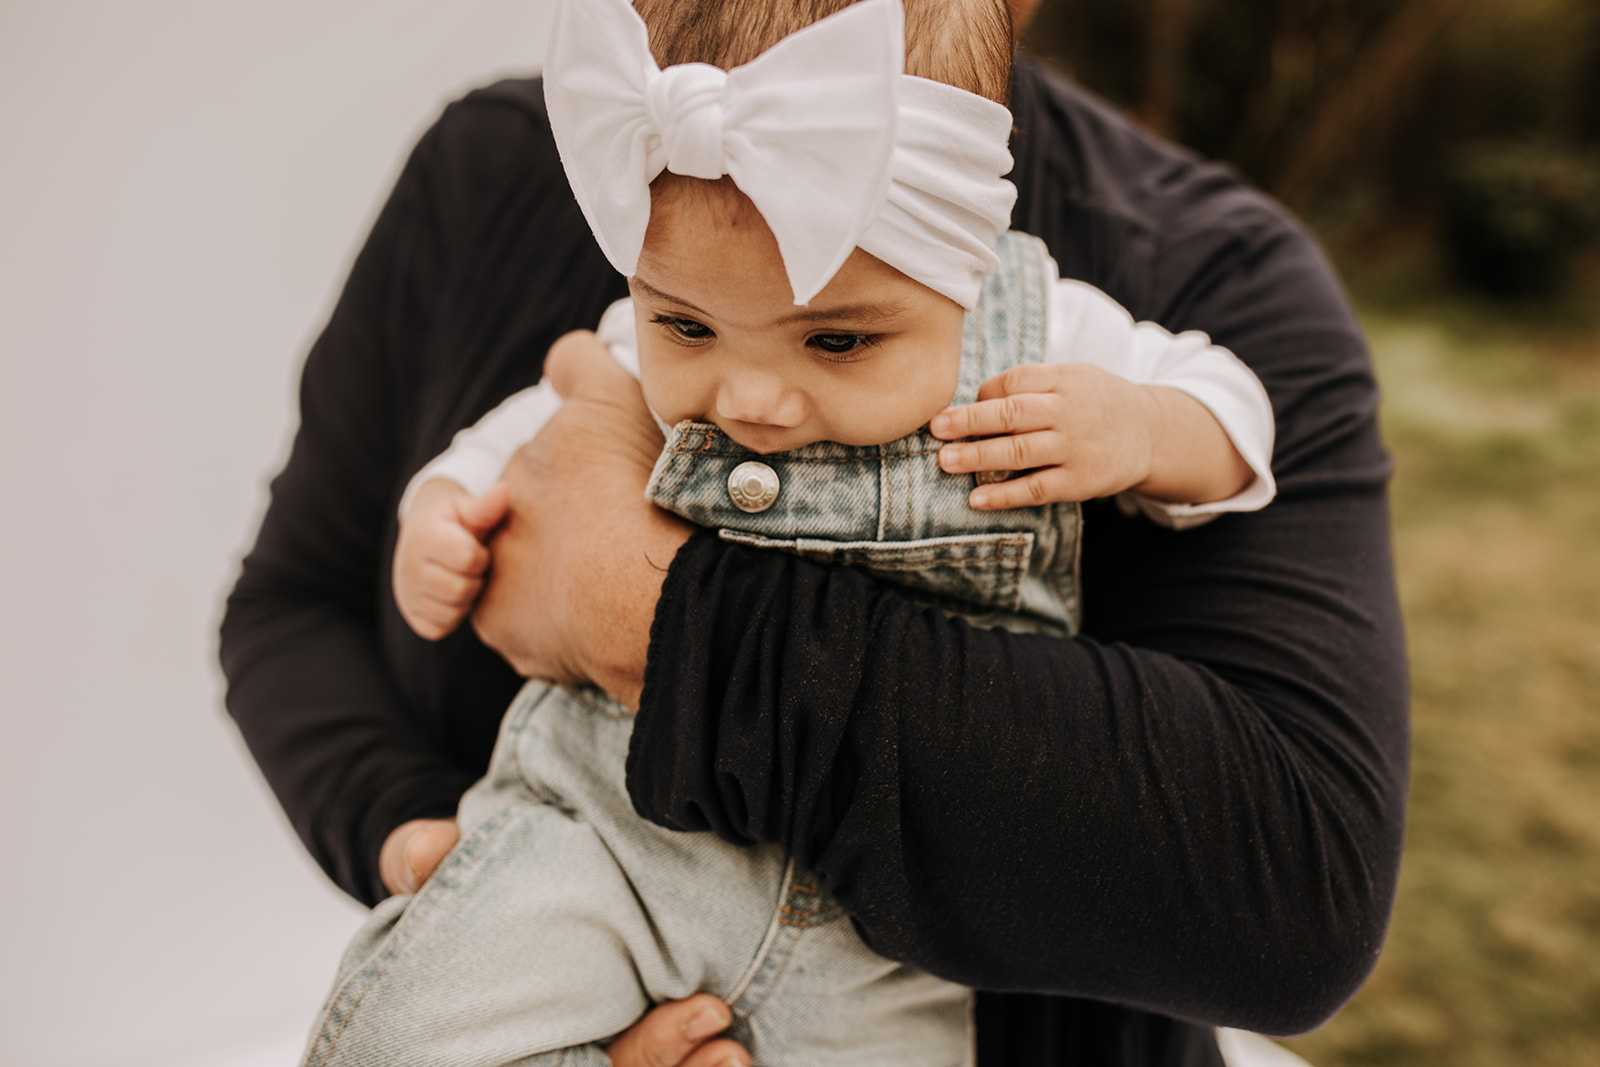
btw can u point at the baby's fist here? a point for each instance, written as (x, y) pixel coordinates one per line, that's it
(440, 558)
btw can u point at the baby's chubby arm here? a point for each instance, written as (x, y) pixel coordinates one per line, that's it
(1179, 424)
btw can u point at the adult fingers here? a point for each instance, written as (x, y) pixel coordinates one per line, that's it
(428, 848)
(723, 1053)
(412, 852)
(677, 1034)
(584, 372)
(580, 361)
(1012, 452)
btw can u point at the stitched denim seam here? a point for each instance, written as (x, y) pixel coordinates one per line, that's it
(769, 941)
(522, 709)
(908, 498)
(586, 697)
(441, 882)
(806, 918)
(522, 727)
(885, 490)
(824, 545)
(888, 489)
(997, 555)
(997, 566)
(788, 460)
(796, 931)
(762, 994)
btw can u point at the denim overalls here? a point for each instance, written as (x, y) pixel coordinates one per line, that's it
(561, 916)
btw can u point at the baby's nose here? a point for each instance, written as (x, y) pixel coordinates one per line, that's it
(760, 398)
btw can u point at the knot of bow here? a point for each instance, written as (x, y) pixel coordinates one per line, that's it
(806, 130)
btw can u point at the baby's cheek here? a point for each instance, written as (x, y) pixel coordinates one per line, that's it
(664, 391)
(936, 387)
(906, 397)
(891, 416)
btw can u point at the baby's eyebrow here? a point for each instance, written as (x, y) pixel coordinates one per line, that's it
(867, 311)
(659, 295)
(862, 312)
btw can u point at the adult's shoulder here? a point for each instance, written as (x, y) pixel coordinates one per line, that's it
(488, 149)
(1127, 211)
(511, 109)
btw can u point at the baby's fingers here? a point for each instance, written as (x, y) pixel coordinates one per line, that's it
(1030, 378)
(459, 552)
(1047, 486)
(439, 603)
(444, 585)
(428, 618)
(1008, 414)
(1012, 452)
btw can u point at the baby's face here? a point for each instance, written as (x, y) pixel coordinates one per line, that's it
(872, 358)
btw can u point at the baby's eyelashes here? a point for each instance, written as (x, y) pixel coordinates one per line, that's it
(842, 347)
(684, 329)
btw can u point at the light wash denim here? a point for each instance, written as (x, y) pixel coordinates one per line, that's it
(561, 916)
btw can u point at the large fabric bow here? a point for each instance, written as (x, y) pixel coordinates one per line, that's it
(806, 130)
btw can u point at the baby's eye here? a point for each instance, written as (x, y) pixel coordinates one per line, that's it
(686, 329)
(840, 344)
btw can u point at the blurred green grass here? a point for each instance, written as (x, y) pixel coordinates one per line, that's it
(1493, 958)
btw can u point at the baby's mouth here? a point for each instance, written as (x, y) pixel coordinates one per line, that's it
(764, 440)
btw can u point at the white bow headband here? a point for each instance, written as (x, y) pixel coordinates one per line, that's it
(835, 146)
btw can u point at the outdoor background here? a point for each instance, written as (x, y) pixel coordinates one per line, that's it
(1448, 153)
(183, 183)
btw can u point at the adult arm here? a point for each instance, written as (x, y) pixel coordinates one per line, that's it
(1195, 808)
(307, 681)
(476, 264)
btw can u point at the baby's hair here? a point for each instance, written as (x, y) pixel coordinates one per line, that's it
(964, 43)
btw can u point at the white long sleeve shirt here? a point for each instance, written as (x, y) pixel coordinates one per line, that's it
(1084, 326)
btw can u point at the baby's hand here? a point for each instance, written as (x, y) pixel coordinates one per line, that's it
(440, 558)
(1080, 432)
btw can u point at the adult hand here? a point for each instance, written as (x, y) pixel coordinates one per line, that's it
(412, 852)
(579, 561)
(677, 1034)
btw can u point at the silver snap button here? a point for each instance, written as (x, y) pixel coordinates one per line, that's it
(753, 486)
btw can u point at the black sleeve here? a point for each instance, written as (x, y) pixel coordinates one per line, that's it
(357, 724)
(307, 683)
(1195, 808)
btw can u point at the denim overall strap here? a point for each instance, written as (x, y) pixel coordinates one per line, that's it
(889, 509)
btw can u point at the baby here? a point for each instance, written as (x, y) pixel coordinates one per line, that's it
(849, 356)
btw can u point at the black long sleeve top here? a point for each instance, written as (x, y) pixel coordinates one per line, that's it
(1193, 811)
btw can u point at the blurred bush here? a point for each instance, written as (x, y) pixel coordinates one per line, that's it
(1361, 114)
(1515, 212)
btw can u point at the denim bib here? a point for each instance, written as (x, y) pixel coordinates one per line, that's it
(889, 509)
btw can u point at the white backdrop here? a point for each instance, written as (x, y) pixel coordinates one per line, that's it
(182, 186)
